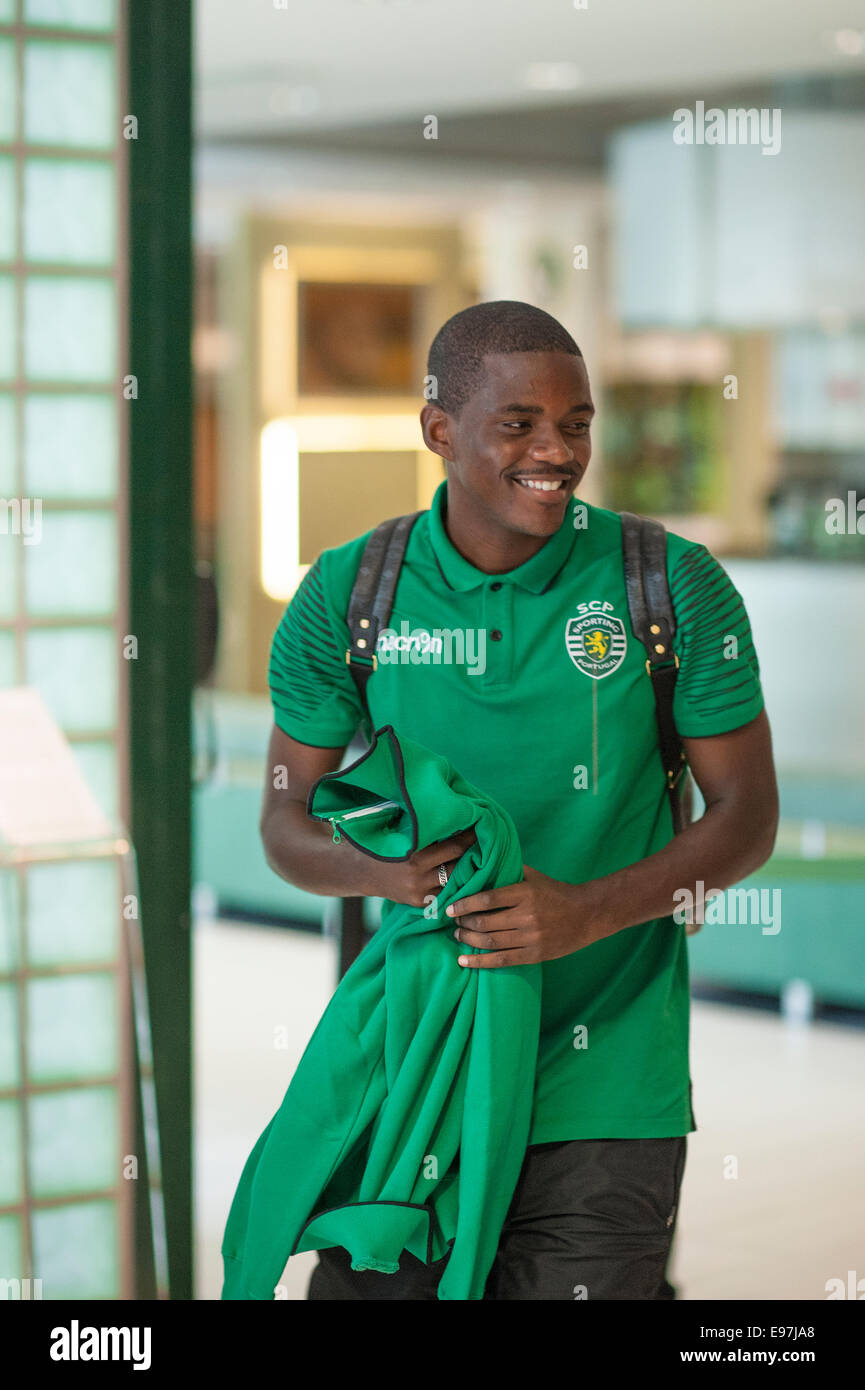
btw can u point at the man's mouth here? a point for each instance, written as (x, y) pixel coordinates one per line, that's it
(545, 487)
(542, 484)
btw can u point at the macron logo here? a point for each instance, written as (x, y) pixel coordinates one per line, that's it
(77, 1343)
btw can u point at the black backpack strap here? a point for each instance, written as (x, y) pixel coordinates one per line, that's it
(372, 595)
(644, 550)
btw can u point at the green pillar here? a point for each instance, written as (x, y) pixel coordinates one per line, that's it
(161, 572)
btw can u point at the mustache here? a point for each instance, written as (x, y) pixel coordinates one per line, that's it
(541, 472)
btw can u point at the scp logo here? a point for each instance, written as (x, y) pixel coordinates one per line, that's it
(596, 641)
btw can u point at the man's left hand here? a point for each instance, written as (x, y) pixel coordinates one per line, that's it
(524, 923)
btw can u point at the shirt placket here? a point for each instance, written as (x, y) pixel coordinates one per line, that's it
(498, 624)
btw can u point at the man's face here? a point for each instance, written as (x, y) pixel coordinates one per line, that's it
(521, 444)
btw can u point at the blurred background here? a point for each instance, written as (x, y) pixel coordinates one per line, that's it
(223, 377)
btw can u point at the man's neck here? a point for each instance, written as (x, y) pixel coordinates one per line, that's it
(490, 548)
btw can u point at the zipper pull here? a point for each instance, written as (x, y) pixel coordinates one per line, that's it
(336, 835)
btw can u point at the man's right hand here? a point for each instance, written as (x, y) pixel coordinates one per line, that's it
(301, 849)
(415, 880)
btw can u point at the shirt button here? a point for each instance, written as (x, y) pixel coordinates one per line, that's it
(495, 587)
(495, 635)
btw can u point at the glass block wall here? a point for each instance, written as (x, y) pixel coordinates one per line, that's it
(66, 1172)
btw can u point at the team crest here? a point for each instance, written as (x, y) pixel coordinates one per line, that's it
(596, 641)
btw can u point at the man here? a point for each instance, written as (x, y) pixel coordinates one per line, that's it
(556, 721)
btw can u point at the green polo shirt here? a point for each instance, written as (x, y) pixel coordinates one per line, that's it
(533, 686)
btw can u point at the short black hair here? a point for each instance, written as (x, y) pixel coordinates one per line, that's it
(456, 354)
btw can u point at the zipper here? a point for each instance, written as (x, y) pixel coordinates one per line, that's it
(338, 816)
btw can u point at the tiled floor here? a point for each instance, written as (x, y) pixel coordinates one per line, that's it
(779, 1106)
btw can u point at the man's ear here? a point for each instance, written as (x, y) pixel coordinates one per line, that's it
(436, 427)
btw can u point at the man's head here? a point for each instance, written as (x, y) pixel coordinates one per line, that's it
(510, 414)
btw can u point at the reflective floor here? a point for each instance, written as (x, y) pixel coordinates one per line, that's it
(772, 1204)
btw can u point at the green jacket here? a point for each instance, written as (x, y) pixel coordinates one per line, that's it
(405, 1124)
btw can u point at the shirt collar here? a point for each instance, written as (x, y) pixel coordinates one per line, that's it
(536, 574)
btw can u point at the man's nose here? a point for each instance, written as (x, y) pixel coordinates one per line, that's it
(551, 447)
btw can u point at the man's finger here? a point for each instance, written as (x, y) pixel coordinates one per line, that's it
(445, 850)
(484, 902)
(489, 941)
(485, 922)
(494, 960)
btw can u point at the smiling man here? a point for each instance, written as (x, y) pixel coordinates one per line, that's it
(559, 727)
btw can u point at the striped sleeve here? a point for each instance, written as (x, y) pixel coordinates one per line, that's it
(313, 695)
(718, 688)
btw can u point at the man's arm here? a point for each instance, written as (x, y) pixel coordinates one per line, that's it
(735, 835)
(301, 849)
(543, 919)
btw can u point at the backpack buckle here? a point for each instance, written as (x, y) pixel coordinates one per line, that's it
(363, 658)
(650, 667)
(673, 778)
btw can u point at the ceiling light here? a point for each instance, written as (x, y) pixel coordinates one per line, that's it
(552, 77)
(850, 42)
(280, 569)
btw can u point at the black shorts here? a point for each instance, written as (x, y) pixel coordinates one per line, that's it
(589, 1219)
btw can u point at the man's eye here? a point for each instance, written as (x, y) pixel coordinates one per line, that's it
(581, 426)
